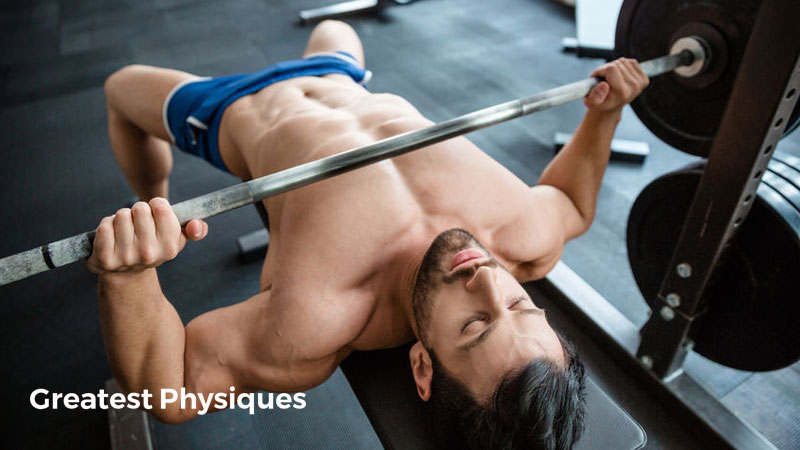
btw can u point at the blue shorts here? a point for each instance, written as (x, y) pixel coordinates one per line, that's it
(193, 110)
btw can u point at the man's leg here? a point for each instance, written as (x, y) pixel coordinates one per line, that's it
(135, 99)
(332, 36)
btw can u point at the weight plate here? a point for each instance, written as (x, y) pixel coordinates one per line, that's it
(686, 112)
(784, 179)
(753, 298)
(786, 189)
(790, 161)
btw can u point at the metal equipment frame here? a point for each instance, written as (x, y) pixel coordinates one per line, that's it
(741, 150)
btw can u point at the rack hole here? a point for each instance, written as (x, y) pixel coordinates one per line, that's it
(790, 94)
(758, 174)
(737, 222)
(779, 122)
(768, 149)
(748, 198)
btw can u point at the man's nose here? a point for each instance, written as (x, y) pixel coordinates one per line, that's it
(485, 282)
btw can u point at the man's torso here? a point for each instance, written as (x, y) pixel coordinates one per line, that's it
(337, 243)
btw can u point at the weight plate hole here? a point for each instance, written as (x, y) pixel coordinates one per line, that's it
(790, 94)
(779, 122)
(768, 149)
(758, 174)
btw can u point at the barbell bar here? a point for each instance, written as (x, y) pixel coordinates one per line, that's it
(66, 251)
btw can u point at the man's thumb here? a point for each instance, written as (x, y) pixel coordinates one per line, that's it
(196, 230)
(598, 94)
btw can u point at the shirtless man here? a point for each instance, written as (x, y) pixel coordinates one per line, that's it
(371, 259)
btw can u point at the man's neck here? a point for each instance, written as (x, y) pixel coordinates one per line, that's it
(402, 278)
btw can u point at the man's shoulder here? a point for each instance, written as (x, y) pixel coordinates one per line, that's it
(534, 238)
(324, 316)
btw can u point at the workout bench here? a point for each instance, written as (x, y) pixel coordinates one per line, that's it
(384, 386)
(385, 389)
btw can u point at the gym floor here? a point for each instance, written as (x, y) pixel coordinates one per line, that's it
(59, 178)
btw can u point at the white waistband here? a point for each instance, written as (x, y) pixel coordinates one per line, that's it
(169, 97)
(341, 56)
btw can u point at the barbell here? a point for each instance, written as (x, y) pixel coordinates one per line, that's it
(687, 52)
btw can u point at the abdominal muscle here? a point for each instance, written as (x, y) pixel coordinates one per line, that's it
(307, 118)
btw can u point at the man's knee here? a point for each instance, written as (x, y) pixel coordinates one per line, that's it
(117, 79)
(334, 35)
(120, 81)
(334, 27)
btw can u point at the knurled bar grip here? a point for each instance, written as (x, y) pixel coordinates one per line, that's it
(59, 253)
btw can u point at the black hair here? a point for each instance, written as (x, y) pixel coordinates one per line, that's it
(540, 406)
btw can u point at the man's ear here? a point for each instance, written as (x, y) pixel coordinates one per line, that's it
(422, 369)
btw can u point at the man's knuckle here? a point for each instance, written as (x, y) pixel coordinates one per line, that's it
(104, 228)
(129, 257)
(155, 201)
(140, 207)
(148, 254)
(122, 216)
(160, 206)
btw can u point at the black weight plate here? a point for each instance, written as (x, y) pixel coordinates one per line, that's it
(790, 161)
(787, 190)
(784, 178)
(753, 298)
(686, 113)
(787, 167)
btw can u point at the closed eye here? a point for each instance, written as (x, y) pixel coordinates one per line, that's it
(516, 301)
(522, 303)
(521, 309)
(471, 321)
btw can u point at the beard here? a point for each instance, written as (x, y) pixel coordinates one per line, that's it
(430, 274)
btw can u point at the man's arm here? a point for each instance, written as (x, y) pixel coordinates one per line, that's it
(242, 346)
(578, 169)
(562, 206)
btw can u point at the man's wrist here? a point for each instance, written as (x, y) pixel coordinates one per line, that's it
(121, 278)
(604, 117)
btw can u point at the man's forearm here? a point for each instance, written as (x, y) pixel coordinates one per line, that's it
(143, 333)
(578, 168)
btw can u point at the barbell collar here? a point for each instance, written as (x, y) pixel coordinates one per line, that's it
(697, 49)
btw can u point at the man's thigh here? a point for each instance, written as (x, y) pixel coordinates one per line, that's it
(137, 93)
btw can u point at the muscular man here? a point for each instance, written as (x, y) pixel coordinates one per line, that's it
(428, 247)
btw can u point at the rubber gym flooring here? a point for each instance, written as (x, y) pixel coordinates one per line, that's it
(446, 57)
